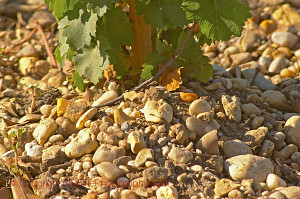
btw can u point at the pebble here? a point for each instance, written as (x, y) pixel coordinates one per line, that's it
(106, 97)
(248, 167)
(250, 41)
(255, 137)
(290, 192)
(66, 127)
(143, 156)
(273, 181)
(241, 58)
(278, 64)
(273, 97)
(77, 166)
(54, 78)
(240, 84)
(136, 141)
(267, 148)
(62, 105)
(158, 112)
(75, 110)
(296, 157)
(44, 130)
(235, 147)
(260, 81)
(232, 108)
(46, 109)
(56, 138)
(288, 150)
(128, 194)
(234, 194)
(155, 174)
(83, 143)
(30, 118)
(285, 39)
(215, 162)
(33, 150)
(224, 186)
(182, 177)
(180, 156)
(257, 122)
(277, 195)
(199, 106)
(120, 117)
(292, 130)
(198, 126)
(108, 154)
(167, 192)
(209, 143)
(109, 171)
(87, 165)
(125, 126)
(249, 109)
(88, 115)
(27, 51)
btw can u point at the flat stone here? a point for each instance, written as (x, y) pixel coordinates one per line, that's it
(108, 154)
(30, 118)
(109, 171)
(235, 147)
(240, 84)
(155, 174)
(273, 97)
(248, 167)
(255, 137)
(290, 192)
(44, 130)
(180, 156)
(75, 110)
(50, 185)
(241, 58)
(250, 108)
(260, 81)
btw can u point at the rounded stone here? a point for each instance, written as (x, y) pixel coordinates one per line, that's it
(249, 167)
(199, 106)
(273, 181)
(235, 147)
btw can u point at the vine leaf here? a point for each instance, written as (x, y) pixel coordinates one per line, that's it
(80, 30)
(90, 63)
(171, 78)
(162, 14)
(115, 26)
(60, 6)
(218, 19)
(78, 81)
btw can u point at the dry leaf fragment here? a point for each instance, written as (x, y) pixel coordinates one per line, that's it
(171, 78)
(188, 97)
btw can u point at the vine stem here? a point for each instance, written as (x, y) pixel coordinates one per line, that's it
(174, 57)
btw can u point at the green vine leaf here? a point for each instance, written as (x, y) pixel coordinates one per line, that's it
(80, 30)
(90, 63)
(78, 81)
(162, 14)
(60, 6)
(218, 19)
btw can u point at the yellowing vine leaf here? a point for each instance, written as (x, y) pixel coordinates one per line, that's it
(171, 78)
